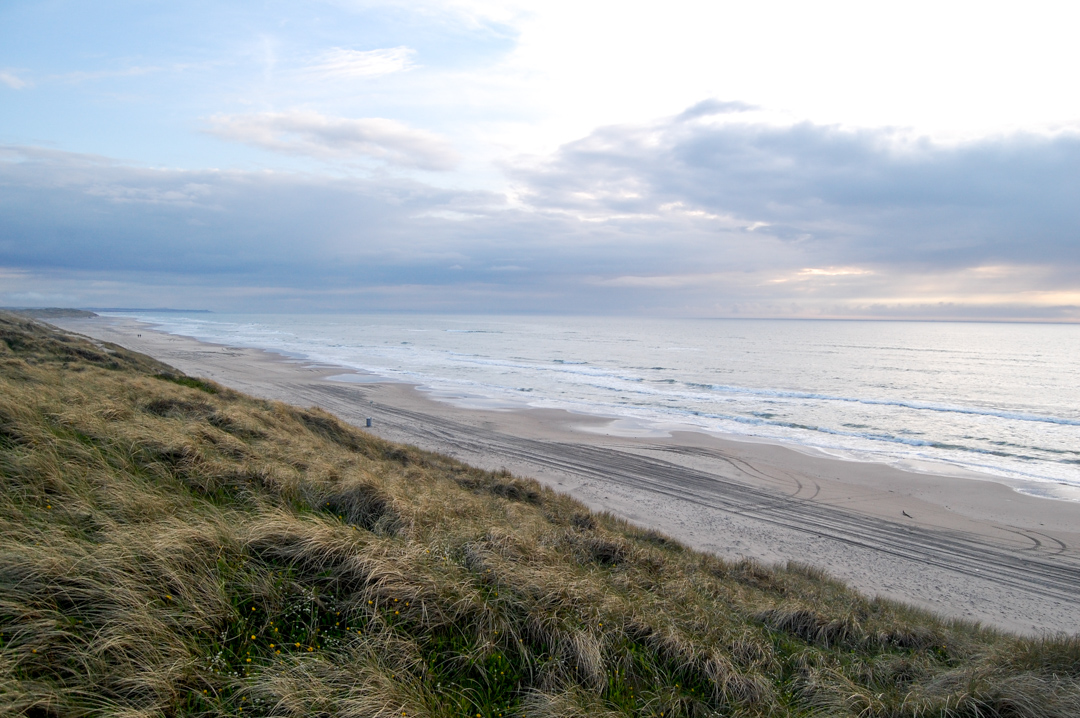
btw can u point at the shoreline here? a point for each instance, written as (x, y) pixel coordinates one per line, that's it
(1039, 488)
(977, 551)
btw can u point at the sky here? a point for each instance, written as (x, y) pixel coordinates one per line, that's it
(886, 160)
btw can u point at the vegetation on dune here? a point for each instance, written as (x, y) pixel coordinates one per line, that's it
(55, 313)
(171, 547)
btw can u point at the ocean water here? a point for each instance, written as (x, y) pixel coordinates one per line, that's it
(998, 399)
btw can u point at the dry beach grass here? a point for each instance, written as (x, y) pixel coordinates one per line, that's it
(173, 547)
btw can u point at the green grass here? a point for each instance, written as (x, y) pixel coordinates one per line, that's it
(171, 547)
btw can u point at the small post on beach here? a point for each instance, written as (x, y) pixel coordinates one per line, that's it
(369, 422)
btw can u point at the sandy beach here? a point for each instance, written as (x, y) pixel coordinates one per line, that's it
(966, 547)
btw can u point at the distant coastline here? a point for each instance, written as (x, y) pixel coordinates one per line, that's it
(158, 310)
(52, 313)
(71, 313)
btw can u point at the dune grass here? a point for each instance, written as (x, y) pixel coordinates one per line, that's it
(171, 547)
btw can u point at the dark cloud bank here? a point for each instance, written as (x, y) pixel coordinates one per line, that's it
(701, 214)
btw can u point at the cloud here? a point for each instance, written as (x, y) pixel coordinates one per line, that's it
(62, 211)
(676, 217)
(76, 221)
(846, 196)
(708, 108)
(342, 63)
(9, 78)
(304, 132)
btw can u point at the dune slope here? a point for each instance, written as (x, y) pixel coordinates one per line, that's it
(172, 547)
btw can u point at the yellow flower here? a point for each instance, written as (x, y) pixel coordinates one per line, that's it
(253, 638)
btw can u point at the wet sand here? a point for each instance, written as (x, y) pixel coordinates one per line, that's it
(966, 547)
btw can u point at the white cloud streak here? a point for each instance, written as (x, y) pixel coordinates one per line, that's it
(9, 78)
(304, 132)
(340, 63)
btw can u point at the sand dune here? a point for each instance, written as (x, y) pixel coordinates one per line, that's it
(964, 547)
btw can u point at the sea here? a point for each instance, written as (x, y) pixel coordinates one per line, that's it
(978, 399)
